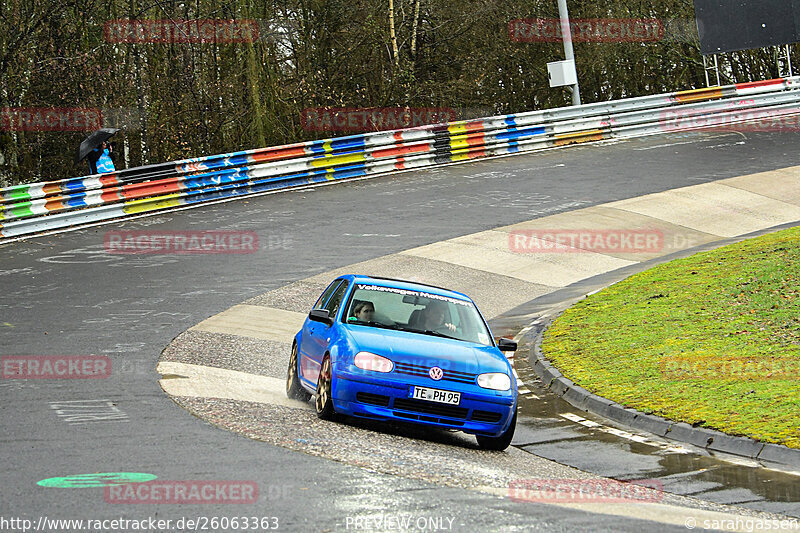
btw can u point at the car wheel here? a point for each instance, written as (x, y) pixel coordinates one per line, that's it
(294, 390)
(324, 401)
(500, 442)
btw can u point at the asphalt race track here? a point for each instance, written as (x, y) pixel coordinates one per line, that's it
(64, 295)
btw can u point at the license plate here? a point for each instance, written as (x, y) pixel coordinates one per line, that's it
(435, 395)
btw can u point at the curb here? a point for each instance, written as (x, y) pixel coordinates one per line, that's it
(584, 400)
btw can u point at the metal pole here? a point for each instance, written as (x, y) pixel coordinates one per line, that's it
(568, 52)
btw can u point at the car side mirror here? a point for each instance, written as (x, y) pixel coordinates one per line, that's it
(321, 315)
(506, 345)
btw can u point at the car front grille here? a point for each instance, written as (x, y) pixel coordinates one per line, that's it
(372, 399)
(486, 416)
(418, 370)
(430, 408)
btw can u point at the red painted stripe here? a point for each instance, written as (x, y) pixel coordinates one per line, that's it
(401, 150)
(55, 204)
(763, 83)
(110, 196)
(108, 179)
(474, 126)
(51, 188)
(476, 139)
(281, 153)
(398, 136)
(150, 188)
(476, 153)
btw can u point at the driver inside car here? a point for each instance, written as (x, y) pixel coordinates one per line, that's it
(433, 317)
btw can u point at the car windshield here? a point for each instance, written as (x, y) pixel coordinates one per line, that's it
(416, 311)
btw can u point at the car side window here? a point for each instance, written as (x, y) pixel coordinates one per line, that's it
(336, 299)
(332, 287)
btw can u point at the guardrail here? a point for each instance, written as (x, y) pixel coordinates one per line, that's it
(39, 207)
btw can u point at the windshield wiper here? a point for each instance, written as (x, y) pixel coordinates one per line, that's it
(437, 334)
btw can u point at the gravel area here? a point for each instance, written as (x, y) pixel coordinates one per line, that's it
(232, 352)
(298, 296)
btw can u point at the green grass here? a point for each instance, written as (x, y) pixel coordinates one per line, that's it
(712, 340)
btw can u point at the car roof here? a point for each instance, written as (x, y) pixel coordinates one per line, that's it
(408, 285)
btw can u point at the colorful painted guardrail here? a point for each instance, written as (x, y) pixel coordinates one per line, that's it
(34, 208)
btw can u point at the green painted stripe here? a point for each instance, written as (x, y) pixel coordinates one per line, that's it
(20, 210)
(21, 192)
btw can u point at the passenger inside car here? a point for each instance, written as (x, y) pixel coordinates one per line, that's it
(364, 311)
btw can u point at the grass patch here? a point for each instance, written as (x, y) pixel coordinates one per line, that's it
(712, 340)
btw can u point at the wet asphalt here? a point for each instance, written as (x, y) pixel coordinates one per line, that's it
(63, 295)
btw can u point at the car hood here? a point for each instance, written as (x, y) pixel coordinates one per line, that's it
(428, 350)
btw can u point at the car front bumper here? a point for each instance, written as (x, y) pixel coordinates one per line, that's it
(481, 412)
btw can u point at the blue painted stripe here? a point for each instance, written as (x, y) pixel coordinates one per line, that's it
(519, 134)
(75, 202)
(73, 185)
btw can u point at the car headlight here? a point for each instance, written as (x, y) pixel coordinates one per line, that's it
(494, 381)
(372, 362)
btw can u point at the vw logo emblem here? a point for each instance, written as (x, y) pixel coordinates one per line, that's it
(436, 373)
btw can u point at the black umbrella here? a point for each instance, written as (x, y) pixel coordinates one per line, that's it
(93, 141)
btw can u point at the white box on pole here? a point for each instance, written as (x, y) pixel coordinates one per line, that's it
(562, 73)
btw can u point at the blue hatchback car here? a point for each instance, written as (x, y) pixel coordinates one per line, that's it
(389, 349)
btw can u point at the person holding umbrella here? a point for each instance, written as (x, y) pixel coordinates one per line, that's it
(97, 151)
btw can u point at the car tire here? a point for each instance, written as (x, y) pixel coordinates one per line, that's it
(294, 390)
(500, 442)
(324, 400)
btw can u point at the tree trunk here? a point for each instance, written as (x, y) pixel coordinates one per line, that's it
(393, 35)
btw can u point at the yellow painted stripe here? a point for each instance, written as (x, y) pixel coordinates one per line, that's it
(459, 143)
(709, 93)
(327, 146)
(151, 204)
(338, 160)
(584, 133)
(456, 129)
